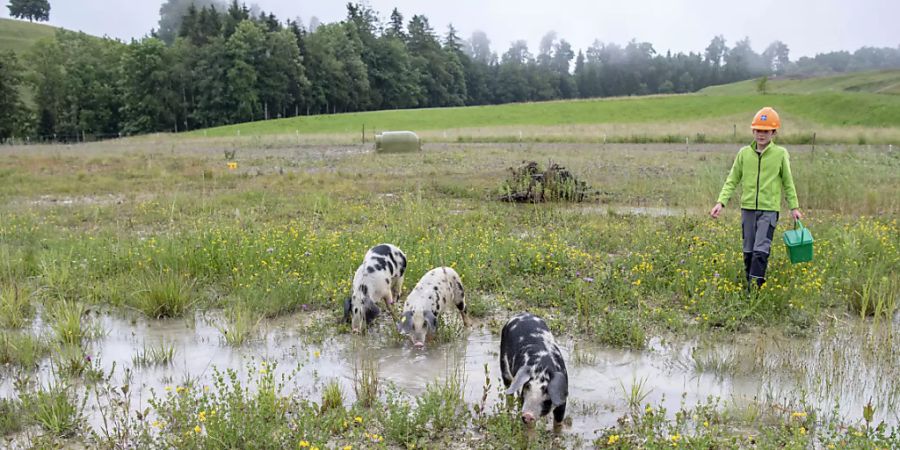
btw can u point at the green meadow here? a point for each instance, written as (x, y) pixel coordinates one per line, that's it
(876, 82)
(856, 109)
(19, 36)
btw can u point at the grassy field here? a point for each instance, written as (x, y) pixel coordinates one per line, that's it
(876, 82)
(837, 110)
(19, 35)
(160, 226)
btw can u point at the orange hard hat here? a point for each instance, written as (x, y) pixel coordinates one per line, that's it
(766, 119)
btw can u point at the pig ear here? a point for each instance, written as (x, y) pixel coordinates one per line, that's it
(432, 320)
(558, 388)
(522, 377)
(405, 324)
(372, 312)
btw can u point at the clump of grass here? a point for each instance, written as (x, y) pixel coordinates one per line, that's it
(635, 394)
(583, 357)
(401, 424)
(15, 306)
(619, 329)
(477, 306)
(232, 414)
(164, 294)
(154, 355)
(58, 278)
(448, 330)
(714, 360)
(366, 381)
(10, 416)
(442, 406)
(876, 297)
(241, 324)
(71, 323)
(21, 349)
(74, 360)
(332, 398)
(56, 410)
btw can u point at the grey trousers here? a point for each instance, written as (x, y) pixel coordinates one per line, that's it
(758, 227)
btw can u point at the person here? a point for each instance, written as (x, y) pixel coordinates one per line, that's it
(762, 169)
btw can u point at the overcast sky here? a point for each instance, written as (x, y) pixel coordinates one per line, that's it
(806, 26)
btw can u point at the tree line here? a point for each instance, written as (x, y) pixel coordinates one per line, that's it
(212, 65)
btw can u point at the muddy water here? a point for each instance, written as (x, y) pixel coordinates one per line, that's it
(844, 365)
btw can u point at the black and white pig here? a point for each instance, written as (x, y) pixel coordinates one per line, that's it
(533, 366)
(436, 289)
(379, 278)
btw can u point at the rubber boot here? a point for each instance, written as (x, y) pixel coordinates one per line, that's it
(758, 265)
(748, 258)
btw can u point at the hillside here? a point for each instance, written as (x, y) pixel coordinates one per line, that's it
(19, 35)
(877, 82)
(858, 100)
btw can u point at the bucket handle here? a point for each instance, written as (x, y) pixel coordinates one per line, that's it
(798, 225)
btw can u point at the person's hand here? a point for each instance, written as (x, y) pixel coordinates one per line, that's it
(796, 214)
(717, 210)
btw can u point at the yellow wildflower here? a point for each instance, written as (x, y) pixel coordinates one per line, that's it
(303, 444)
(197, 429)
(613, 439)
(358, 419)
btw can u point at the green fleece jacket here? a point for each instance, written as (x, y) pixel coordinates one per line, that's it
(761, 177)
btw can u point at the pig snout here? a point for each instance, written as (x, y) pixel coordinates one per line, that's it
(527, 418)
(419, 344)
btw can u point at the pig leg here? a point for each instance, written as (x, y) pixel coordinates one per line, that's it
(388, 304)
(460, 296)
(461, 306)
(397, 288)
(559, 413)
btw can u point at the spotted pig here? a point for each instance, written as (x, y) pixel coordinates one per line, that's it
(379, 278)
(425, 302)
(533, 367)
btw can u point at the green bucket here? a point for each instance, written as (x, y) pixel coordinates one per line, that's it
(799, 243)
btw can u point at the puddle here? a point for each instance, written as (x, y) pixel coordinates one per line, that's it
(652, 211)
(836, 367)
(99, 200)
